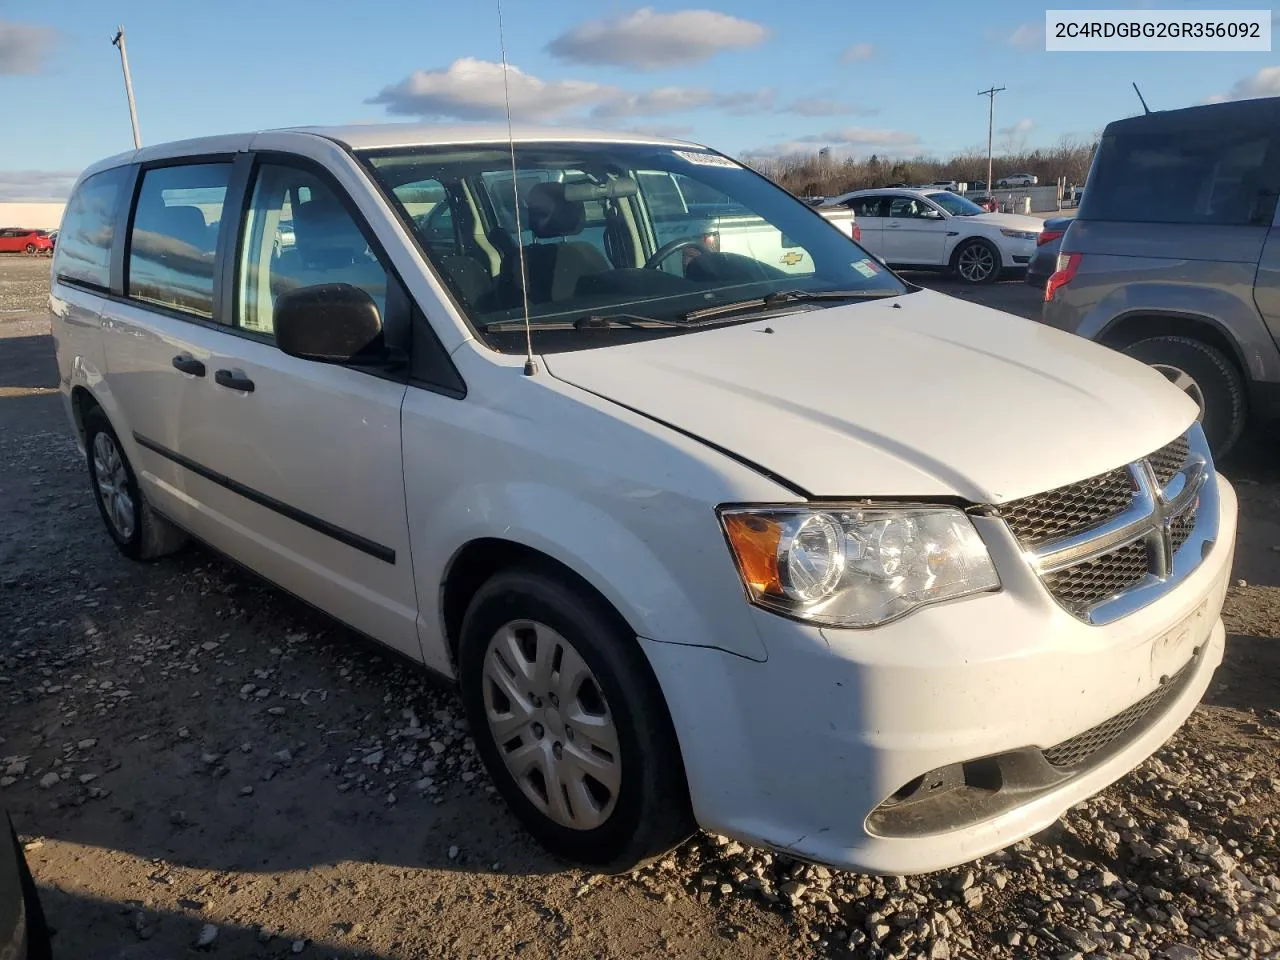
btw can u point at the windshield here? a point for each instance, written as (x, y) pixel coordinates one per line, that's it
(647, 235)
(955, 204)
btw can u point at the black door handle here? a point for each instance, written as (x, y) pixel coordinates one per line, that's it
(233, 381)
(188, 364)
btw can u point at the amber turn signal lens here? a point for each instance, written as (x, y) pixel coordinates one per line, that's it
(754, 540)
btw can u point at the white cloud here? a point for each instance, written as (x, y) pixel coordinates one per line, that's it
(858, 52)
(470, 89)
(36, 184)
(1025, 36)
(1025, 125)
(647, 40)
(1264, 83)
(23, 47)
(846, 141)
(654, 102)
(822, 107)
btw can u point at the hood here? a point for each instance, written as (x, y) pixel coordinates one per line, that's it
(921, 395)
(1009, 221)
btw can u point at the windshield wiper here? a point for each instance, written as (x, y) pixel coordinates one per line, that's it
(781, 299)
(596, 321)
(590, 321)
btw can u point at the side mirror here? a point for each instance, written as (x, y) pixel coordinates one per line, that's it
(328, 322)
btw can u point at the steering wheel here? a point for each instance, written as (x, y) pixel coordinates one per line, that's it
(667, 249)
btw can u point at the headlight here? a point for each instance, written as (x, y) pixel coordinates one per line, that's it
(1020, 234)
(856, 566)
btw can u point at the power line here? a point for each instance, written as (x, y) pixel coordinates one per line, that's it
(990, 94)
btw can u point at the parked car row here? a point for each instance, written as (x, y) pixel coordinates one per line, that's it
(30, 242)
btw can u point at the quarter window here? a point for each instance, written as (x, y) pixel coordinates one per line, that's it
(174, 241)
(84, 245)
(299, 234)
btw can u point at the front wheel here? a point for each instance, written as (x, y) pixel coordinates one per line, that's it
(976, 261)
(1205, 375)
(31, 249)
(570, 721)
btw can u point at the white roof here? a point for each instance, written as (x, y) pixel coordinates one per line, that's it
(364, 136)
(369, 136)
(909, 191)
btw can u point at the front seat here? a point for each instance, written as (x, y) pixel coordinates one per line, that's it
(331, 249)
(554, 269)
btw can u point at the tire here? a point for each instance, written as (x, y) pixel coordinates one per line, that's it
(1205, 374)
(647, 812)
(138, 531)
(38, 941)
(969, 259)
(31, 249)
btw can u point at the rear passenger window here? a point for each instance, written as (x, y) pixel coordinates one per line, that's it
(299, 234)
(84, 245)
(174, 239)
(1182, 177)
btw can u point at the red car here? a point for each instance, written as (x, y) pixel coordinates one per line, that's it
(22, 240)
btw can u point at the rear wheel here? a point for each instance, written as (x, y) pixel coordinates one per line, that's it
(138, 531)
(1205, 375)
(31, 248)
(976, 261)
(570, 721)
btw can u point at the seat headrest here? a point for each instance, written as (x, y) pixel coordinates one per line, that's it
(323, 229)
(551, 215)
(184, 222)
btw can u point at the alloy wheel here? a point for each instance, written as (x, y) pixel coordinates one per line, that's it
(1184, 382)
(552, 725)
(112, 481)
(976, 263)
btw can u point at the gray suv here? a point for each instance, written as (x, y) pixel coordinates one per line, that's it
(1174, 257)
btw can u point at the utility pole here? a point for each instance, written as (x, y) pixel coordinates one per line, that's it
(991, 122)
(118, 41)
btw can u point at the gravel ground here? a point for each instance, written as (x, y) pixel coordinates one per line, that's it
(198, 763)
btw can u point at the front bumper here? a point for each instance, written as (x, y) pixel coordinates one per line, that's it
(796, 752)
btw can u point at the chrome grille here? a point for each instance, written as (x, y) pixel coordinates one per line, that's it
(1081, 586)
(1169, 459)
(1070, 509)
(1180, 528)
(1079, 749)
(1098, 541)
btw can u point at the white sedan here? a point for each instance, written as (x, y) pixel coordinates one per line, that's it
(939, 230)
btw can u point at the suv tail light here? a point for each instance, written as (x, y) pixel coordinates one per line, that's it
(1067, 265)
(857, 233)
(1047, 236)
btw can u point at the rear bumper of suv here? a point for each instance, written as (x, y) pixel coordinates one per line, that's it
(987, 718)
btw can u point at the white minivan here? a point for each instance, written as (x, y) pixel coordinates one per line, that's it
(794, 551)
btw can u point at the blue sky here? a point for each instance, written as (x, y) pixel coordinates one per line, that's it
(751, 76)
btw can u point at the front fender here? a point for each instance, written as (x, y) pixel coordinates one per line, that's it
(680, 587)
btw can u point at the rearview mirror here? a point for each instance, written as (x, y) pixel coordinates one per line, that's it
(615, 189)
(328, 322)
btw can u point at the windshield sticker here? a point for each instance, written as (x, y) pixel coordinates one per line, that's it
(868, 268)
(706, 159)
